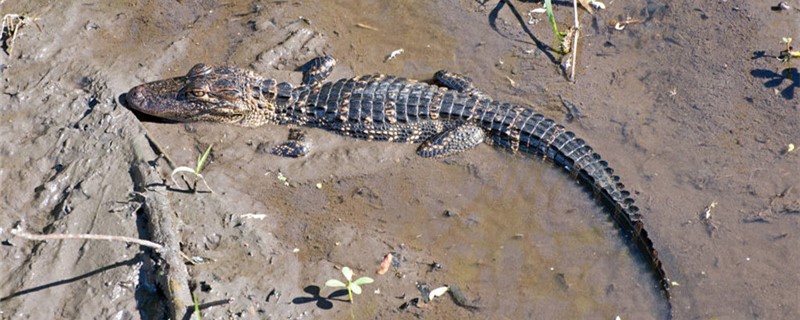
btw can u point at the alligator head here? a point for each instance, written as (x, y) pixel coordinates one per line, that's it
(214, 94)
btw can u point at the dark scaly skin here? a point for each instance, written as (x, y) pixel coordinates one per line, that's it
(381, 107)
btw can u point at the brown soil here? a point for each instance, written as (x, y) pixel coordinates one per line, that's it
(689, 106)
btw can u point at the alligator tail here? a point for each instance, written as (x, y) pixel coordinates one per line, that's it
(541, 136)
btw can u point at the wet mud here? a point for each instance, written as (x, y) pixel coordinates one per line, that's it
(688, 105)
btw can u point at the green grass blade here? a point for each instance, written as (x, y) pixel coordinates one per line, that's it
(202, 160)
(548, 6)
(196, 306)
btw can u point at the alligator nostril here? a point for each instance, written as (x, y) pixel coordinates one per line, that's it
(136, 97)
(140, 92)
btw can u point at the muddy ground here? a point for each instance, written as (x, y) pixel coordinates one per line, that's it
(689, 106)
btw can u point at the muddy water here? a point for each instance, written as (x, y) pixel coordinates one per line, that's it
(677, 104)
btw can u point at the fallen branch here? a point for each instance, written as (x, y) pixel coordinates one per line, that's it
(172, 276)
(19, 231)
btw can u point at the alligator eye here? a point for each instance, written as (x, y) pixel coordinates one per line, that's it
(197, 93)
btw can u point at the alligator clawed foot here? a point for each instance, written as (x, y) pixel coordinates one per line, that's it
(295, 147)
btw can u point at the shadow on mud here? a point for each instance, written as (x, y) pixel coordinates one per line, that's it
(775, 80)
(322, 302)
(493, 23)
(130, 262)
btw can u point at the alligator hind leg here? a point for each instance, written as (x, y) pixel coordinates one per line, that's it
(452, 141)
(317, 70)
(295, 147)
(457, 82)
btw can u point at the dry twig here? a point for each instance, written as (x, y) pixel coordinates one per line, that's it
(11, 24)
(366, 26)
(575, 40)
(19, 231)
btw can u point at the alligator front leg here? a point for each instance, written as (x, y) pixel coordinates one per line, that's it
(451, 141)
(457, 82)
(317, 70)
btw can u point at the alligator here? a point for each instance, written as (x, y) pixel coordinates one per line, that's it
(444, 117)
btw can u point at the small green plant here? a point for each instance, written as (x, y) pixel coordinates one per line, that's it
(352, 286)
(196, 306)
(566, 42)
(548, 7)
(201, 161)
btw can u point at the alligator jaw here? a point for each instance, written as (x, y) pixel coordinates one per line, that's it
(167, 99)
(160, 99)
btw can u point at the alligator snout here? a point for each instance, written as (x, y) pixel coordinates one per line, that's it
(136, 97)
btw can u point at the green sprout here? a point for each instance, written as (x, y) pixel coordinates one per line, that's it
(201, 161)
(559, 36)
(352, 286)
(196, 306)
